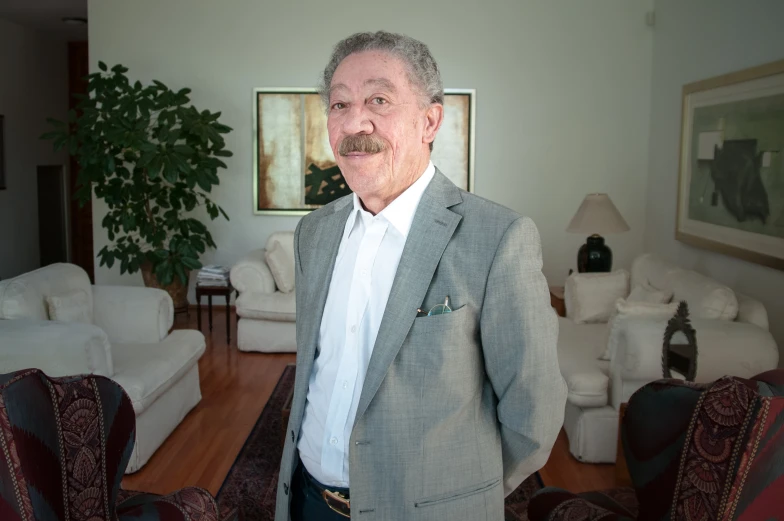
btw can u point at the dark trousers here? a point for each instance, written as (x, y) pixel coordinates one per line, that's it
(307, 503)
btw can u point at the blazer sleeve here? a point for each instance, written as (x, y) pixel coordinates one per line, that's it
(519, 333)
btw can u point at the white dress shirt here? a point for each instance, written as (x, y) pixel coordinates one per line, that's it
(365, 268)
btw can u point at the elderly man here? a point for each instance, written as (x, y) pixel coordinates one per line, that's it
(427, 382)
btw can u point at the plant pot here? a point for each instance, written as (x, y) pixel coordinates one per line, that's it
(176, 290)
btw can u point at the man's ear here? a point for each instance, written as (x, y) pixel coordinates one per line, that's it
(433, 119)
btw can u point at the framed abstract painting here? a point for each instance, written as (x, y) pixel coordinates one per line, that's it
(294, 169)
(731, 182)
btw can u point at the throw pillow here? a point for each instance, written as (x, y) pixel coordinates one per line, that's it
(624, 309)
(281, 266)
(646, 293)
(590, 297)
(73, 306)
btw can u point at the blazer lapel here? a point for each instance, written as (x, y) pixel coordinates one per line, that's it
(328, 236)
(430, 232)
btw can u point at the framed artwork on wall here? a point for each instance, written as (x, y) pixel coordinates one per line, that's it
(294, 170)
(731, 180)
(2, 152)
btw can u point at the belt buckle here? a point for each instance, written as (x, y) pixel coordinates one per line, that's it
(337, 503)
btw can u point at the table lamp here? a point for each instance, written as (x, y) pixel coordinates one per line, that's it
(596, 216)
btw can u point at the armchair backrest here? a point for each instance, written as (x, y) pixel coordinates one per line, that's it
(64, 446)
(714, 448)
(25, 296)
(707, 298)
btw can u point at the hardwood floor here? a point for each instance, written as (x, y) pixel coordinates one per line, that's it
(235, 386)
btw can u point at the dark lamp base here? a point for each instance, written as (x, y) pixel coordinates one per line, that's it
(594, 256)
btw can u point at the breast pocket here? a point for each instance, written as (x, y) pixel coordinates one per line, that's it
(440, 323)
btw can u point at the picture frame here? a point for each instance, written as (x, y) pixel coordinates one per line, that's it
(294, 170)
(731, 165)
(2, 153)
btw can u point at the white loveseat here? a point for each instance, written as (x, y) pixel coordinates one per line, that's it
(265, 305)
(124, 336)
(738, 344)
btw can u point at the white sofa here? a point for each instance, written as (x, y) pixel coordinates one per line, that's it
(266, 308)
(124, 336)
(738, 344)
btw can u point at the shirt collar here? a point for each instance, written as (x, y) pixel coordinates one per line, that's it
(400, 212)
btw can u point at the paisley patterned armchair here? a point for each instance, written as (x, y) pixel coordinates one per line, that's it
(694, 452)
(64, 446)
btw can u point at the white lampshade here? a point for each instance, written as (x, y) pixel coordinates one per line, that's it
(597, 215)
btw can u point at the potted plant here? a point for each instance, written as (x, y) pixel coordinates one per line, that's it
(153, 158)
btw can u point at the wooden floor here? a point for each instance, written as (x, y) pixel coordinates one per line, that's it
(235, 386)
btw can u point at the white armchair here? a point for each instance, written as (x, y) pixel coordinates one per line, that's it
(266, 308)
(127, 340)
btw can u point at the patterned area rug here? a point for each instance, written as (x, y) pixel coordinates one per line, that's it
(251, 485)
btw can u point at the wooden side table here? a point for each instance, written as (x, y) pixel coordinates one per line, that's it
(557, 300)
(209, 291)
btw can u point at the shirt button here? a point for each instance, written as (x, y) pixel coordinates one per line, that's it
(353, 329)
(364, 273)
(345, 385)
(333, 441)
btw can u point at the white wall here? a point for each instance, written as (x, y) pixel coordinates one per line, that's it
(33, 86)
(696, 40)
(563, 94)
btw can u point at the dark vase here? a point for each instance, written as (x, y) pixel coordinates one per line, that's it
(594, 256)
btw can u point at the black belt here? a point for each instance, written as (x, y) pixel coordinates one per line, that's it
(336, 498)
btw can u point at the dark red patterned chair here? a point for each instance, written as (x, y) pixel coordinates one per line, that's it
(64, 445)
(695, 452)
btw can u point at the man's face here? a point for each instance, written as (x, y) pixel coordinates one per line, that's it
(378, 130)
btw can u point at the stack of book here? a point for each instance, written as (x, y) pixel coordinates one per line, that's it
(213, 275)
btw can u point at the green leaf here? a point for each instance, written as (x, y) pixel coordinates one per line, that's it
(102, 66)
(180, 271)
(223, 213)
(174, 135)
(154, 168)
(223, 153)
(191, 263)
(146, 158)
(50, 135)
(204, 183)
(184, 150)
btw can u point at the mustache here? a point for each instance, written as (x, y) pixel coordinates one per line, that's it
(365, 143)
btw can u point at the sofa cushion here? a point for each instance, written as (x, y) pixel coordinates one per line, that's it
(281, 264)
(19, 299)
(623, 309)
(590, 297)
(267, 306)
(706, 297)
(146, 371)
(72, 306)
(587, 377)
(644, 292)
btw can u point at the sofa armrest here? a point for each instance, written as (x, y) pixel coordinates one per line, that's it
(251, 273)
(56, 348)
(133, 314)
(723, 348)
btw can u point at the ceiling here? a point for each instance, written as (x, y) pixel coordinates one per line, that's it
(46, 16)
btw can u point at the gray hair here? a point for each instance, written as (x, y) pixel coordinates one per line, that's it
(422, 68)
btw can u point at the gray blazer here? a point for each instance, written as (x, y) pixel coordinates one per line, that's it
(456, 409)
